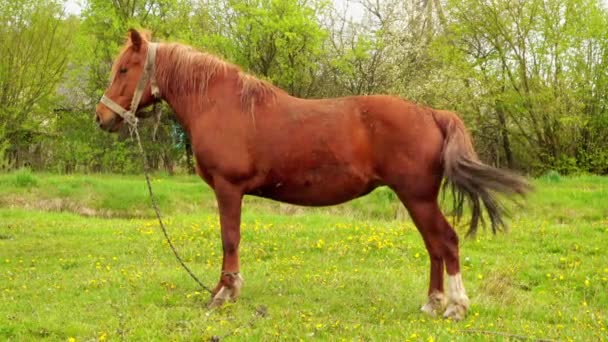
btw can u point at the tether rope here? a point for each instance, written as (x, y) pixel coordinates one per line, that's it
(134, 130)
(260, 311)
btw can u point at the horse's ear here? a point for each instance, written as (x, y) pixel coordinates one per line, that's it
(136, 39)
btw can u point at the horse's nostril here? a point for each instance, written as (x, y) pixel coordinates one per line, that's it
(97, 119)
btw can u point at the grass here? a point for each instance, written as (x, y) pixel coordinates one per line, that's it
(96, 267)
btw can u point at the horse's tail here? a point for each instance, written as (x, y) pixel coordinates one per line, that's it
(472, 180)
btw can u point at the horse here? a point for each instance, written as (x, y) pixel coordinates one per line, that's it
(251, 138)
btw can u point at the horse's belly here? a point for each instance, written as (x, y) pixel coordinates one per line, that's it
(319, 187)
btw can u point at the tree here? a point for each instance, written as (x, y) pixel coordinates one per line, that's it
(34, 39)
(527, 58)
(102, 32)
(280, 40)
(530, 78)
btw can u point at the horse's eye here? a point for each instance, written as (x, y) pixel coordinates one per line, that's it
(123, 70)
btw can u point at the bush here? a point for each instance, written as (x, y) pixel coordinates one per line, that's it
(552, 176)
(24, 178)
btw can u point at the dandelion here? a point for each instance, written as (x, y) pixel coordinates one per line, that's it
(479, 276)
(71, 339)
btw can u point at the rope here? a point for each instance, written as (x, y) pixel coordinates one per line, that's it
(157, 210)
(132, 120)
(260, 311)
(504, 334)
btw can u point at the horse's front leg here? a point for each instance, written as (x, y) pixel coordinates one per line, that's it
(229, 200)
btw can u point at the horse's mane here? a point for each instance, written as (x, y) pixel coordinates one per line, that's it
(184, 68)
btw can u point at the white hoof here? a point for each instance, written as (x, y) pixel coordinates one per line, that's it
(227, 294)
(435, 304)
(458, 302)
(456, 311)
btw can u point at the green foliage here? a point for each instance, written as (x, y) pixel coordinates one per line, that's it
(34, 40)
(4, 145)
(552, 176)
(82, 147)
(24, 178)
(532, 62)
(280, 40)
(565, 164)
(530, 78)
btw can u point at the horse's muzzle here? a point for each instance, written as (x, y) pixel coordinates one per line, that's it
(106, 125)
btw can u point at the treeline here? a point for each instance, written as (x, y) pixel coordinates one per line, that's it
(529, 77)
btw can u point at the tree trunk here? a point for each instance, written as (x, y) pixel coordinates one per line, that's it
(506, 142)
(189, 161)
(168, 161)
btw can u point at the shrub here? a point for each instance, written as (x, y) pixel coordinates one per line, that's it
(24, 178)
(552, 176)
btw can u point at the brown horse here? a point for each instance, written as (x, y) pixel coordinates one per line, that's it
(251, 138)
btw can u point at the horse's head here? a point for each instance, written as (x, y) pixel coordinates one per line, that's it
(130, 85)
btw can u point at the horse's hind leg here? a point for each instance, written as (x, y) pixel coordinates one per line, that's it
(442, 245)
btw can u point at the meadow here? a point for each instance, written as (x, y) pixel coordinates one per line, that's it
(82, 259)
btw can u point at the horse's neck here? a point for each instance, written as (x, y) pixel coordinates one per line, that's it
(188, 104)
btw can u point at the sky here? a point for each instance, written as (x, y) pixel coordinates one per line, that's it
(73, 6)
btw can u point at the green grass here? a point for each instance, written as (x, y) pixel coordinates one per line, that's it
(351, 272)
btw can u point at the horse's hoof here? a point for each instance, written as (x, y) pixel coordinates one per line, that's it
(458, 302)
(429, 310)
(215, 303)
(455, 311)
(223, 295)
(435, 304)
(227, 294)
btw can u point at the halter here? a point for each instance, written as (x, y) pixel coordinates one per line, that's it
(147, 75)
